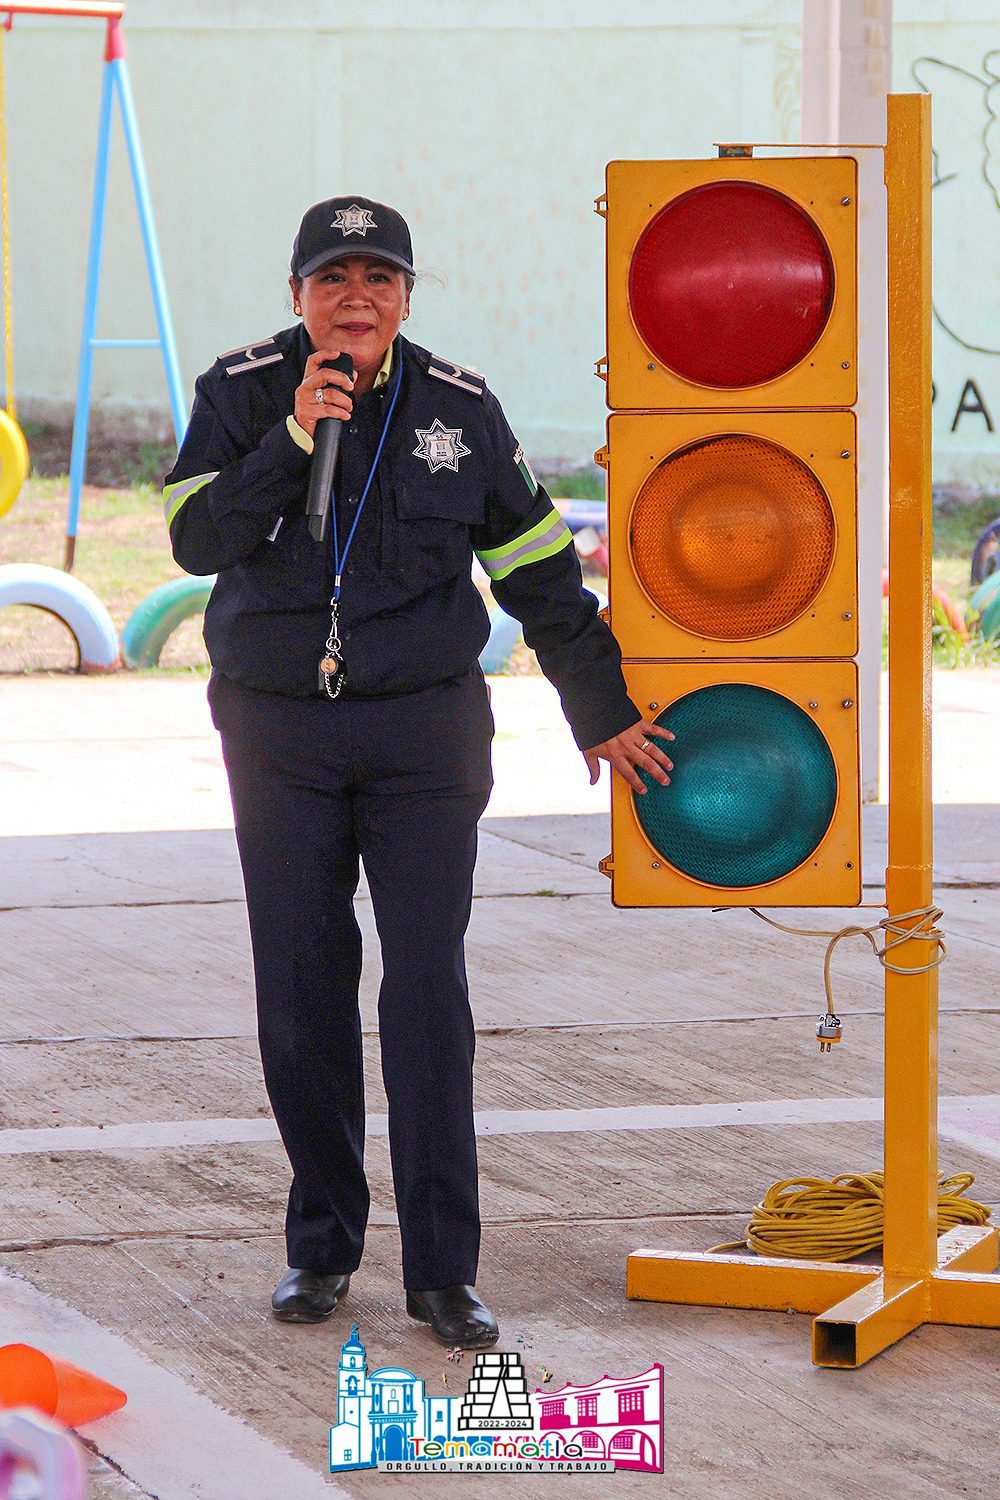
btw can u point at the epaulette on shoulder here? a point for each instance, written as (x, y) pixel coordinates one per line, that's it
(250, 357)
(465, 379)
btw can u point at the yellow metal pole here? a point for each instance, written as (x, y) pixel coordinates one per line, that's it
(911, 1000)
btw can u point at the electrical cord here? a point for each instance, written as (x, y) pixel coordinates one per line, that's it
(922, 927)
(810, 1218)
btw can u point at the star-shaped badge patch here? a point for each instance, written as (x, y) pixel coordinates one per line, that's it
(441, 446)
(353, 220)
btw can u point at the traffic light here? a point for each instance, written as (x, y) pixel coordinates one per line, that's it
(732, 528)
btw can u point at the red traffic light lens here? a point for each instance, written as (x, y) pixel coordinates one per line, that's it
(732, 538)
(731, 285)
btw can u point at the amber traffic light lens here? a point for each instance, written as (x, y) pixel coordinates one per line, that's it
(753, 789)
(733, 537)
(731, 285)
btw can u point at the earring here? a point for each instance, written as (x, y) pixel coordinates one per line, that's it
(297, 310)
(405, 316)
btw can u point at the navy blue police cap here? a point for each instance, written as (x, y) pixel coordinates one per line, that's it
(339, 227)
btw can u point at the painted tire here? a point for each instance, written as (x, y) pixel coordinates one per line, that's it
(986, 599)
(13, 461)
(505, 632)
(580, 513)
(153, 621)
(70, 601)
(952, 616)
(986, 557)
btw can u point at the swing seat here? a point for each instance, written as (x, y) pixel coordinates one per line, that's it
(14, 461)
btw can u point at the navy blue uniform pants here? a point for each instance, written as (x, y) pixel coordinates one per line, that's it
(401, 782)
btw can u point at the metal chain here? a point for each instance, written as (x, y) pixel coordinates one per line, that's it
(334, 655)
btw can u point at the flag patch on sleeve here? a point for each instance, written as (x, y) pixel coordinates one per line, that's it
(523, 465)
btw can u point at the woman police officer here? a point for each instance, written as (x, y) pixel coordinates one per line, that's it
(355, 722)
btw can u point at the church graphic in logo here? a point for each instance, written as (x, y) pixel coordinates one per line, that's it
(386, 1420)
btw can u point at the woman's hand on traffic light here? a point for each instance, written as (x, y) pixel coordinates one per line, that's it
(630, 752)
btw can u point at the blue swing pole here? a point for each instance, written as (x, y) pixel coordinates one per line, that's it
(116, 82)
(81, 417)
(150, 242)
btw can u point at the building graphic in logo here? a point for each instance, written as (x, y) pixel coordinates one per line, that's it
(497, 1396)
(619, 1419)
(386, 1418)
(380, 1415)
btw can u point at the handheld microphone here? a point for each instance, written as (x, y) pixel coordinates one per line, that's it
(326, 442)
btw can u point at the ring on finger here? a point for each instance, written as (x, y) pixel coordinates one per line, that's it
(645, 744)
(319, 395)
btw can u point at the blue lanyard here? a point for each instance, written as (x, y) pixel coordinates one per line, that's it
(340, 558)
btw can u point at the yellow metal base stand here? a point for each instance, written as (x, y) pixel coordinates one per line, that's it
(877, 1306)
(864, 1308)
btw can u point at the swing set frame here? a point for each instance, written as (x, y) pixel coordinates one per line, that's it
(116, 86)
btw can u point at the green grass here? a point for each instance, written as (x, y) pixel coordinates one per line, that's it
(123, 554)
(120, 462)
(585, 482)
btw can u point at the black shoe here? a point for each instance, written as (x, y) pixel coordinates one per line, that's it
(456, 1315)
(308, 1296)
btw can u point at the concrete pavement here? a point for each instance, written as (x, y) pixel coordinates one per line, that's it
(642, 1077)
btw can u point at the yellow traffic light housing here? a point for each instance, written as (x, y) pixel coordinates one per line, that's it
(763, 806)
(732, 283)
(732, 525)
(733, 537)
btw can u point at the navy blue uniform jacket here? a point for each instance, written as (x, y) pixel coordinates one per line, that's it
(452, 479)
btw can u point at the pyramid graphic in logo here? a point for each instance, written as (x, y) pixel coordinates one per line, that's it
(497, 1395)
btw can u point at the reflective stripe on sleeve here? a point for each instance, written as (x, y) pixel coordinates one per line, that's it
(549, 535)
(174, 495)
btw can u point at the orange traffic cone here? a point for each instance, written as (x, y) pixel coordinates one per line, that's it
(54, 1386)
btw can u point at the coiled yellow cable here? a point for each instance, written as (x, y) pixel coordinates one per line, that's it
(811, 1218)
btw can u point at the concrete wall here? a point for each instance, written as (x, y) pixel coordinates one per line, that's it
(490, 137)
(489, 127)
(955, 55)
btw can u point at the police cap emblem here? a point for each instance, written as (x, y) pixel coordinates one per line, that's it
(353, 220)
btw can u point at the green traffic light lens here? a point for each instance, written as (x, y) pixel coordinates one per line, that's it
(753, 790)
